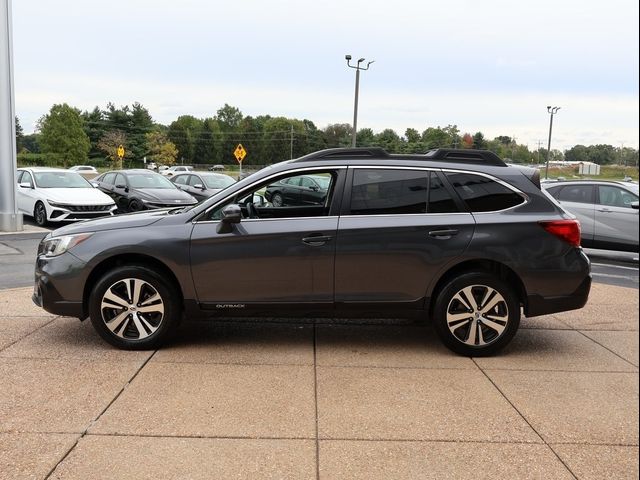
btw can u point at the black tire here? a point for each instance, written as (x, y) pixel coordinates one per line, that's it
(125, 332)
(135, 205)
(277, 200)
(40, 214)
(481, 333)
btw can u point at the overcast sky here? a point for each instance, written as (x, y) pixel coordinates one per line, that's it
(490, 66)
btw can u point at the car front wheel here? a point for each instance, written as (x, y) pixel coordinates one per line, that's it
(476, 314)
(40, 214)
(134, 308)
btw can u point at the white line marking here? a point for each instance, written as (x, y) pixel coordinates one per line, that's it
(614, 266)
(613, 276)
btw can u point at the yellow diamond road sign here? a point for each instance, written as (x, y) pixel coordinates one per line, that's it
(240, 153)
(120, 151)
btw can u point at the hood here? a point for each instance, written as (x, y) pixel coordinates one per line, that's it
(139, 219)
(169, 195)
(77, 196)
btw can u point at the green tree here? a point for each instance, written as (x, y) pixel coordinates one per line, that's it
(366, 137)
(208, 144)
(389, 140)
(161, 150)
(19, 136)
(62, 133)
(479, 143)
(338, 135)
(109, 144)
(95, 128)
(185, 133)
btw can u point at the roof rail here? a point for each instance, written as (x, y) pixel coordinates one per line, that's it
(331, 153)
(465, 156)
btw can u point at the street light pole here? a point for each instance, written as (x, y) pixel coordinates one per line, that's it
(357, 68)
(552, 111)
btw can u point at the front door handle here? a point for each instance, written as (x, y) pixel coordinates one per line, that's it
(604, 210)
(443, 234)
(317, 240)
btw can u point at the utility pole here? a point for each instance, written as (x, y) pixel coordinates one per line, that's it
(357, 67)
(10, 218)
(552, 111)
(539, 143)
(291, 146)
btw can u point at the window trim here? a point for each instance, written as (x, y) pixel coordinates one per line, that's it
(198, 218)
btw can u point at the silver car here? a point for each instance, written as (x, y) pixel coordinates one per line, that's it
(607, 211)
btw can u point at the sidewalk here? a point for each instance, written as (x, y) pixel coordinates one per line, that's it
(330, 401)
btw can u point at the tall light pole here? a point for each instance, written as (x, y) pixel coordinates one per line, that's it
(355, 103)
(10, 218)
(552, 111)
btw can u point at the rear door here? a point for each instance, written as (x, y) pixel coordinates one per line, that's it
(616, 222)
(397, 228)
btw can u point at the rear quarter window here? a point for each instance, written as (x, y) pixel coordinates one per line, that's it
(482, 194)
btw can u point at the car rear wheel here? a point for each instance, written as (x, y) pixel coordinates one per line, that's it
(476, 314)
(277, 200)
(135, 205)
(40, 214)
(134, 308)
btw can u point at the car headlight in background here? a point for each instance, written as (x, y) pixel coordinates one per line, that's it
(56, 204)
(55, 246)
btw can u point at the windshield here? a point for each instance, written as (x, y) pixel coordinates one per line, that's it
(218, 181)
(60, 180)
(150, 180)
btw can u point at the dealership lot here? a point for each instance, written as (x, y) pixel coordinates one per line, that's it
(287, 399)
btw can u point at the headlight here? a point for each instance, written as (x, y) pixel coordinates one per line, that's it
(58, 245)
(56, 204)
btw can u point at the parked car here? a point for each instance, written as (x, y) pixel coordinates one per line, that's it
(299, 190)
(57, 195)
(607, 211)
(454, 235)
(216, 168)
(202, 185)
(135, 190)
(84, 169)
(171, 171)
(151, 166)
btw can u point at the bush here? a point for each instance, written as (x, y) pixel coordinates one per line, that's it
(40, 160)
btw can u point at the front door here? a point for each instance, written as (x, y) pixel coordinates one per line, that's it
(274, 258)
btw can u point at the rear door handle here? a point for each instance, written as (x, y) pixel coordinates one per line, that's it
(317, 240)
(605, 210)
(443, 234)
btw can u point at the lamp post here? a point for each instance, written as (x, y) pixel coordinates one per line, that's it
(552, 111)
(357, 67)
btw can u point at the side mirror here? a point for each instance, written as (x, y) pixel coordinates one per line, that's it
(199, 185)
(95, 184)
(121, 186)
(230, 214)
(634, 205)
(313, 188)
(25, 185)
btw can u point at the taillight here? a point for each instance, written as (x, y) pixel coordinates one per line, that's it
(567, 230)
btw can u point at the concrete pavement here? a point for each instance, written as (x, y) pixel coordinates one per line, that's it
(330, 401)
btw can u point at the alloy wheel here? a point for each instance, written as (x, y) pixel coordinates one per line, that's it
(132, 309)
(40, 215)
(477, 315)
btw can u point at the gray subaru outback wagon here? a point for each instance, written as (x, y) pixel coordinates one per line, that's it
(454, 236)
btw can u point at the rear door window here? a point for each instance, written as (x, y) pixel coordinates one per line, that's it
(483, 194)
(389, 192)
(576, 194)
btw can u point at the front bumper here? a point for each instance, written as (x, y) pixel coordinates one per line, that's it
(59, 285)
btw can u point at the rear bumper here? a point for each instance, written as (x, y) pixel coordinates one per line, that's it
(538, 305)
